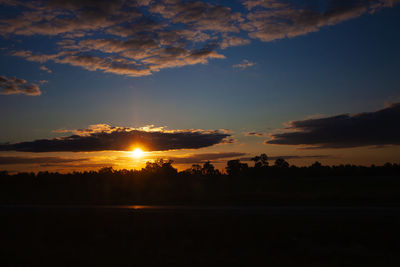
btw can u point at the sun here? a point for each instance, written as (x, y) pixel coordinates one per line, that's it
(137, 153)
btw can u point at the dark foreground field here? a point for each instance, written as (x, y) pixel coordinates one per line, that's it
(34, 236)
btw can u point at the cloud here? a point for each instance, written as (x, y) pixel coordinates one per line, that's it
(229, 41)
(122, 139)
(44, 68)
(95, 128)
(200, 15)
(287, 157)
(5, 160)
(150, 62)
(41, 58)
(244, 64)
(137, 42)
(58, 17)
(78, 165)
(140, 37)
(376, 128)
(256, 134)
(270, 20)
(110, 65)
(13, 85)
(42, 81)
(201, 158)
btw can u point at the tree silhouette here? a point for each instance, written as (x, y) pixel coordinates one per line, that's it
(281, 164)
(160, 166)
(194, 170)
(316, 165)
(260, 161)
(159, 182)
(209, 169)
(235, 167)
(106, 170)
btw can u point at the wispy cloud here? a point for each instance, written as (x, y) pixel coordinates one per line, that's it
(13, 85)
(10, 160)
(44, 68)
(244, 64)
(43, 82)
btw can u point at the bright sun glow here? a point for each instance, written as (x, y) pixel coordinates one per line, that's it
(137, 153)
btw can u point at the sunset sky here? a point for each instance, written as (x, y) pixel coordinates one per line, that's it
(84, 83)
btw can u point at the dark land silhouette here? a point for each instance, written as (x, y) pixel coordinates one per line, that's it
(161, 183)
(107, 237)
(63, 221)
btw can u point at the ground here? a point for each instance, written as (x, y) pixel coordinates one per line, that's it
(123, 237)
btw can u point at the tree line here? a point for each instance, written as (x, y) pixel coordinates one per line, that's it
(159, 182)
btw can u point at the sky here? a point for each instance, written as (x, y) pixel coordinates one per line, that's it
(84, 83)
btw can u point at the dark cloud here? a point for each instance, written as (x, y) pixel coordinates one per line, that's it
(9, 160)
(201, 158)
(122, 139)
(269, 20)
(377, 128)
(15, 85)
(256, 134)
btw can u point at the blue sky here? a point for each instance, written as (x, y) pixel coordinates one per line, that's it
(349, 66)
